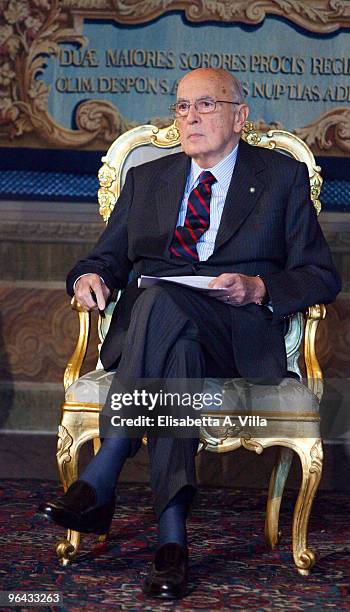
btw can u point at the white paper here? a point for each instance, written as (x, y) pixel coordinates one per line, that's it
(199, 283)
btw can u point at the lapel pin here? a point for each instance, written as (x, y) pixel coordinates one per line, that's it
(252, 189)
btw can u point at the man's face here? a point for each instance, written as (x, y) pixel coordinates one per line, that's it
(208, 138)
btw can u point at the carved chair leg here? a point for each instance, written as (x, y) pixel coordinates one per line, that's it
(311, 457)
(67, 549)
(67, 456)
(67, 461)
(277, 483)
(77, 427)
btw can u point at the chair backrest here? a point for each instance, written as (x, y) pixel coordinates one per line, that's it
(147, 142)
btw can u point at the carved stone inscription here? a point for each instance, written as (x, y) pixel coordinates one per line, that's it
(70, 81)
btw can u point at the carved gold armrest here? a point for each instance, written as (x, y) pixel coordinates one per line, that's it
(314, 315)
(72, 371)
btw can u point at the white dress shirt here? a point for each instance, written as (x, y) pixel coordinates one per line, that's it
(222, 171)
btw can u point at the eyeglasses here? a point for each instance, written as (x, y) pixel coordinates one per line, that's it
(203, 106)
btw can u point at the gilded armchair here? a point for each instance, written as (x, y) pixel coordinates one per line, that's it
(297, 424)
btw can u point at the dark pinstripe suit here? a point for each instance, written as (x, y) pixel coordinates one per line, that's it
(268, 227)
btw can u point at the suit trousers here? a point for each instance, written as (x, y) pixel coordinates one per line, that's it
(174, 333)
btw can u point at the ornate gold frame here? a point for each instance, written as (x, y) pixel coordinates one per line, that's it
(31, 30)
(321, 16)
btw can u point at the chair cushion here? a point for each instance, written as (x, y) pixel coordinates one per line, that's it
(288, 399)
(288, 410)
(278, 412)
(92, 388)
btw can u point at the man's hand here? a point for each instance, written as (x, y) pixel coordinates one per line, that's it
(241, 289)
(84, 289)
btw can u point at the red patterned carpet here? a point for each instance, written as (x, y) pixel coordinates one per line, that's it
(230, 567)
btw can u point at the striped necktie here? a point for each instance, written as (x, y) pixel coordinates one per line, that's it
(197, 219)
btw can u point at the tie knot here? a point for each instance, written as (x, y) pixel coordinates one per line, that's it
(207, 178)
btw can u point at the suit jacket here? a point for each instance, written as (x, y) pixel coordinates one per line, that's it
(268, 227)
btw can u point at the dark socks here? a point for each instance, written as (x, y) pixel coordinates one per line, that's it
(103, 471)
(172, 521)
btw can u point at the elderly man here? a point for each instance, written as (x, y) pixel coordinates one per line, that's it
(221, 208)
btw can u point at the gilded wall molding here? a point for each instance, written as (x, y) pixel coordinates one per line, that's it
(321, 16)
(32, 30)
(330, 132)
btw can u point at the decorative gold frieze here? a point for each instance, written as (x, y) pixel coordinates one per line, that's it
(32, 30)
(321, 16)
(330, 131)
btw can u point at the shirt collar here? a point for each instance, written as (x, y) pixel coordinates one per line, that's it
(222, 170)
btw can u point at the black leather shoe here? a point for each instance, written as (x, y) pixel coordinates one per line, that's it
(77, 510)
(167, 577)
